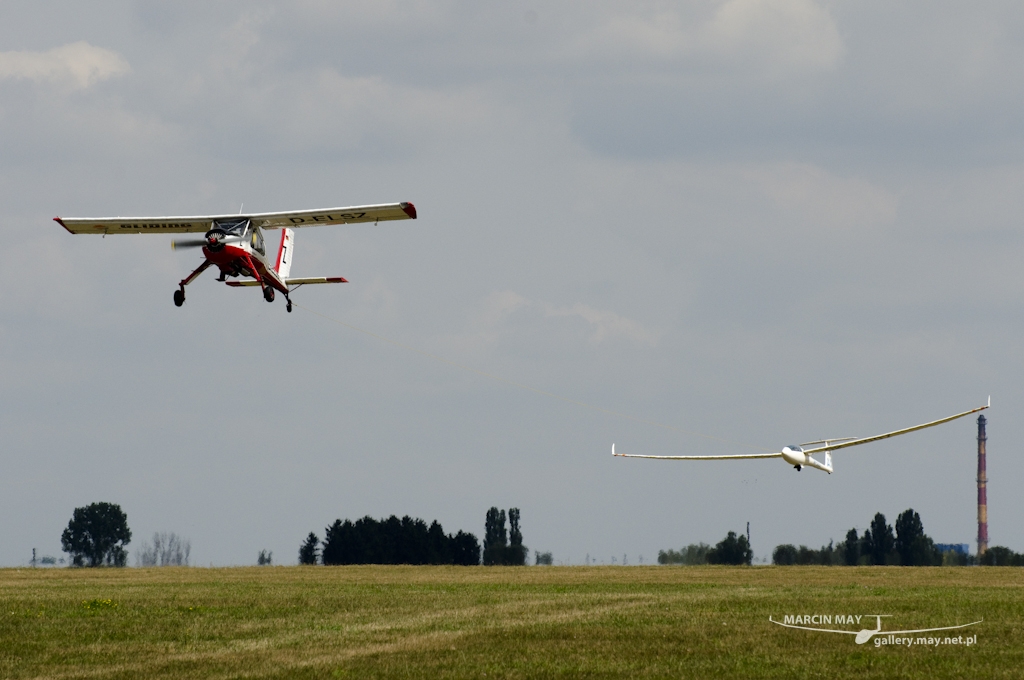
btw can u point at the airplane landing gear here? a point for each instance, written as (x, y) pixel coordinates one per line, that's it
(268, 294)
(179, 295)
(798, 468)
(289, 307)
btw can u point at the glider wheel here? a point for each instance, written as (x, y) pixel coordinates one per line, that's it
(289, 308)
(268, 294)
(179, 298)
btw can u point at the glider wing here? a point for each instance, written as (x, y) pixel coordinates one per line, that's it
(865, 440)
(745, 455)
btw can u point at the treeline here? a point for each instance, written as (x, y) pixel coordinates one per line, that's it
(732, 549)
(412, 541)
(390, 541)
(905, 544)
(909, 545)
(999, 556)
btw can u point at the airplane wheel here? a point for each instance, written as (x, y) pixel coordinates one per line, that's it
(289, 307)
(268, 294)
(179, 298)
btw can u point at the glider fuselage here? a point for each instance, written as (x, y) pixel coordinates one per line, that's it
(795, 456)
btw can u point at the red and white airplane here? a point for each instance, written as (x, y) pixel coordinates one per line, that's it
(236, 245)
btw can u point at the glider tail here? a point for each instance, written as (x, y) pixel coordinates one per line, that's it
(828, 462)
(284, 253)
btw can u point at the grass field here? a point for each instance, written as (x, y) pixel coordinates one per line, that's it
(498, 622)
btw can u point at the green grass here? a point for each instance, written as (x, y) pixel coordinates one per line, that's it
(365, 622)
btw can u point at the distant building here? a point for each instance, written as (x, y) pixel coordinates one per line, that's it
(958, 548)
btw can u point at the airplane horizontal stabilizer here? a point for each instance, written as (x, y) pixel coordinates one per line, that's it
(291, 282)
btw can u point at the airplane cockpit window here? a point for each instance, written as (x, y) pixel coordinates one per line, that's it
(232, 227)
(257, 242)
(794, 447)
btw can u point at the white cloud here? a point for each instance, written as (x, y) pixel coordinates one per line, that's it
(797, 34)
(826, 200)
(77, 64)
(606, 325)
(771, 35)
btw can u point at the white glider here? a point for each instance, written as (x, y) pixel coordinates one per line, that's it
(798, 457)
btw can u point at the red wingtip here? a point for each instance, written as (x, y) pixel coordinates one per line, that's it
(61, 223)
(337, 279)
(409, 209)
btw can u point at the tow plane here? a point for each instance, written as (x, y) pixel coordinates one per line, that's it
(236, 244)
(800, 457)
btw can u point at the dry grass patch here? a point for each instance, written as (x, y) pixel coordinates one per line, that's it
(295, 622)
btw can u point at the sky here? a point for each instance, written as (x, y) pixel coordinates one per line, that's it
(756, 222)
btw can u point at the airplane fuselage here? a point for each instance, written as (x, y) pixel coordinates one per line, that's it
(237, 248)
(242, 256)
(795, 456)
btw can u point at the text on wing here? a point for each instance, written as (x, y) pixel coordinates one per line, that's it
(327, 218)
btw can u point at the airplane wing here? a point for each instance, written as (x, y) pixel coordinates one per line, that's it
(745, 455)
(138, 225)
(292, 282)
(865, 440)
(203, 223)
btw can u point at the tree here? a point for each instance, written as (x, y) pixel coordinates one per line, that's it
(1000, 556)
(731, 550)
(915, 548)
(543, 558)
(465, 549)
(266, 558)
(784, 555)
(516, 553)
(695, 553)
(879, 540)
(167, 550)
(495, 538)
(851, 548)
(96, 536)
(308, 552)
(788, 553)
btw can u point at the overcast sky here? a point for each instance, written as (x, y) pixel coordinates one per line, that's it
(767, 222)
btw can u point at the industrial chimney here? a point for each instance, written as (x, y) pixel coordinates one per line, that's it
(982, 496)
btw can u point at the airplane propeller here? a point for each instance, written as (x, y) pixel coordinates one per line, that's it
(212, 240)
(189, 243)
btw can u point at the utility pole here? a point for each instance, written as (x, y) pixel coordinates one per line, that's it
(982, 494)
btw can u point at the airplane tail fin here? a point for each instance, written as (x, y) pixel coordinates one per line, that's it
(284, 253)
(828, 462)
